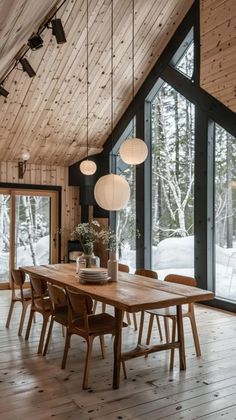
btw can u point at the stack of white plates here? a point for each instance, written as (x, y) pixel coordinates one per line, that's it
(93, 275)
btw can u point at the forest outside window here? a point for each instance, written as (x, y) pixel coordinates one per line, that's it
(172, 118)
(126, 218)
(225, 214)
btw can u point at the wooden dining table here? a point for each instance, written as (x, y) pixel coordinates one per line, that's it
(131, 293)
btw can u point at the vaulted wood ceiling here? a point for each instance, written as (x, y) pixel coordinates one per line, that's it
(46, 115)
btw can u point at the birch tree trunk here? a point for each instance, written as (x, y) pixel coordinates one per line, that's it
(29, 227)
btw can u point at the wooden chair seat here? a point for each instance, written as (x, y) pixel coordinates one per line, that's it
(46, 306)
(98, 324)
(166, 312)
(26, 294)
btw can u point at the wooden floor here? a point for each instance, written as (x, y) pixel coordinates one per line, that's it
(34, 387)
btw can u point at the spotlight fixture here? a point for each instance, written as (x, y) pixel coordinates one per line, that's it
(58, 31)
(27, 67)
(3, 92)
(35, 42)
(22, 164)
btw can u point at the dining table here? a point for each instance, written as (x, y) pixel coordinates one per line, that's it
(131, 293)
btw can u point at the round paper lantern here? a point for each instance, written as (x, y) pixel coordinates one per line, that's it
(112, 192)
(133, 151)
(25, 155)
(88, 167)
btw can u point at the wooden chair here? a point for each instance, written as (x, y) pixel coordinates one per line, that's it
(40, 303)
(59, 310)
(170, 313)
(153, 275)
(83, 322)
(18, 295)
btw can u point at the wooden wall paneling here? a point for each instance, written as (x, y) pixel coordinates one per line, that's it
(218, 50)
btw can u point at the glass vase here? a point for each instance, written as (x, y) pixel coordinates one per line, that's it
(87, 261)
(112, 267)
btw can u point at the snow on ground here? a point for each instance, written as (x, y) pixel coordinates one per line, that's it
(176, 256)
(23, 256)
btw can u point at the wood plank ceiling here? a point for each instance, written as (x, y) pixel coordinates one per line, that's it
(46, 115)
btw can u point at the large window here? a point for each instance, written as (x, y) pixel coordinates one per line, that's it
(225, 214)
(172, 183)
(126, 218)
(28, 229)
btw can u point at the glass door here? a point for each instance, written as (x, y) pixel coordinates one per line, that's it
(28, 226)
(5, 216)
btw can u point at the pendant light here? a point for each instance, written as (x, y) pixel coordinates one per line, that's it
(112, 191)
(87, 166)
(133, 151)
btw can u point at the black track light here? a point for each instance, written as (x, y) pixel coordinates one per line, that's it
(35, 42)
(27, 67)
(3, 92)
(58, 31)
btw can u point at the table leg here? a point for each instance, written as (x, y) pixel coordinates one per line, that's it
(117, 348)
(182, 360)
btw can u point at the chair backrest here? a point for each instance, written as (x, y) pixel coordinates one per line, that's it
(57, 295)
(17, 281)
(147, 273)
(18, 277)
(38, 291)
(176, 278)
(80, 306)
(123, 267)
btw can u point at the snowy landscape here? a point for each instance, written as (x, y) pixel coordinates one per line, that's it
(176, 256)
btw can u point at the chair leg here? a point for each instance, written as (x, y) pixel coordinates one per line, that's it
(102, 345)
(124, 369)
(29, 324)
(167, 330)
(87, 362)
(128, 318)
(150, 328)
(48, 336)
(135, 322)
(10, 314)
(195, 334)
(63, 331)
(95, 304)
(172, 353)
(22, 318)
(159, 327)
(42, 335)
(66, 348)
(141, 328)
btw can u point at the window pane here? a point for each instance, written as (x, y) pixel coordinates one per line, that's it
(32, 243)
(172, 183)
(225, 217)
(126, 223)
(4, 237)
(185, 64)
